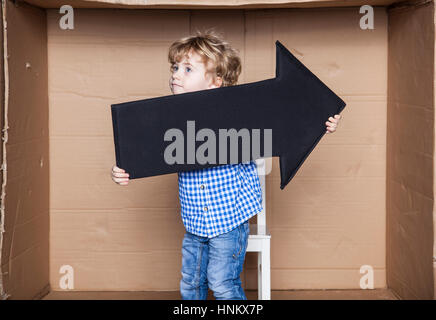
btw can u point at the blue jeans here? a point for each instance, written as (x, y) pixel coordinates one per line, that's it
(215, 263)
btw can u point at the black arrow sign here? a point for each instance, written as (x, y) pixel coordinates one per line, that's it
(294, 106)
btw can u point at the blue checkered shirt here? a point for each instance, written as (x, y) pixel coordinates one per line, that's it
(216, 200)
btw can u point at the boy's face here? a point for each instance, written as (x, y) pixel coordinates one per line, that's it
(190, 75)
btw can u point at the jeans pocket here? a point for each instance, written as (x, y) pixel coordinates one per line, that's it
(242, 239)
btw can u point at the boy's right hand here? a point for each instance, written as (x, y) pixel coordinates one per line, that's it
(120, 176)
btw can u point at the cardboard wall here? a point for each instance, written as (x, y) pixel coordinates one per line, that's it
(25, 182)
(410, 161)
(325, 225)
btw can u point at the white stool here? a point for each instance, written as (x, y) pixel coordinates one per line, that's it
(259, 241)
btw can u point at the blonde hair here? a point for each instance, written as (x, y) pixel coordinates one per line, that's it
(214, 50)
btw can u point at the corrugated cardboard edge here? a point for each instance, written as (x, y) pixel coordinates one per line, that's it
(5, 97)
(434, 165)
(207, 4)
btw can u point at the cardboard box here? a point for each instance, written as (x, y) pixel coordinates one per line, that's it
(364, 197)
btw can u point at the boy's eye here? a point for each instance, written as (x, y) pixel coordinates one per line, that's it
(175, 67)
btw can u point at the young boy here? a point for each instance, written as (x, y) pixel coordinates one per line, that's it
(217, 202)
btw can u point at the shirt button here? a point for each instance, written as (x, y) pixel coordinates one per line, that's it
(205, 208)
(202, 186)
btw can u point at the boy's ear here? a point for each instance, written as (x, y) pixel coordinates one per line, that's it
(218, 82)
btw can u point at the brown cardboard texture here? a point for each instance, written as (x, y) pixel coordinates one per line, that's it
(364, 198)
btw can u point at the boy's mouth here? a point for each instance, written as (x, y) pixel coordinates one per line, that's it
(175, 84)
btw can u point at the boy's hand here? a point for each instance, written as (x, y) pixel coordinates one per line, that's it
(333, 123)
(120, 176)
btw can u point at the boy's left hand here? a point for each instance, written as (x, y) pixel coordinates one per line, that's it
(333, 123)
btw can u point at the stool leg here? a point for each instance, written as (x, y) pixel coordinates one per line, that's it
(266, 270)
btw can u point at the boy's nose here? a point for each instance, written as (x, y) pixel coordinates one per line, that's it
(176, 79)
